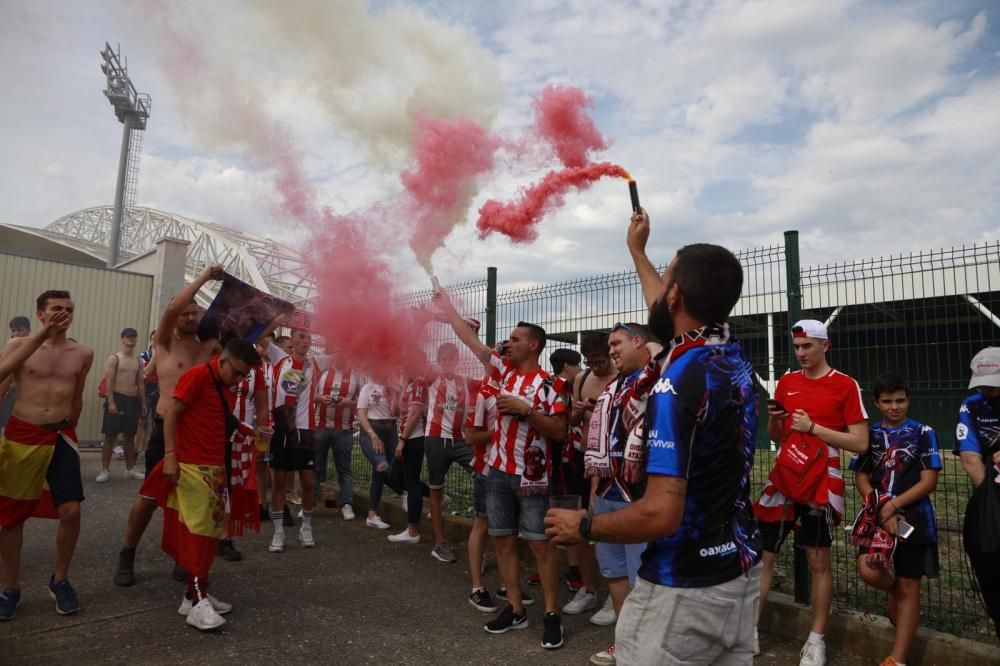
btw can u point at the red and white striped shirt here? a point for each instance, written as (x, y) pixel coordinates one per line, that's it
(482, 413)
(512, 435)
(341, 384)
(294, 384)
(415, 394)
(245, 409)
(447, 401)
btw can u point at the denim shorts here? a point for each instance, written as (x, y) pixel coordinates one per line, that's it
(479, 494)
(617, 560)
(510, 513)
(441, 454)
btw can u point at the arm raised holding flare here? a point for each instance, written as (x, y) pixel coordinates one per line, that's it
(649, 277)
(465, 333)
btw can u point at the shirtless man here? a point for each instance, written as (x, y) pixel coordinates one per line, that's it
(124, 407)
(588, 385)
(176, 348)
(39, 447)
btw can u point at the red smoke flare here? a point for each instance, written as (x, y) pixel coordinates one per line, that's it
(561, 120)
(450, 155)
(517, 219)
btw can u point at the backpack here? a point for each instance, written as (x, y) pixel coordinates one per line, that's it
(981, 531)
(800, 469)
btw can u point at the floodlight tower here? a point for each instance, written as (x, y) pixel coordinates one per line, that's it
(132, 110)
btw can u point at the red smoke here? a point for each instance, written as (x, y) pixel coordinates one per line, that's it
(562, 122)
(449, 154)
(517, 219)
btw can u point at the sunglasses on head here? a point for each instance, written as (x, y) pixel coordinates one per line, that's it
(620, 325)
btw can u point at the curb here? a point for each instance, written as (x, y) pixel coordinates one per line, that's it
(871, 637)
(867, 637)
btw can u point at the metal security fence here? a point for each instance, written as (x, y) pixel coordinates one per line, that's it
(923, 314)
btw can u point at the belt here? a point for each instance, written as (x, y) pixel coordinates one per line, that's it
(57, 426)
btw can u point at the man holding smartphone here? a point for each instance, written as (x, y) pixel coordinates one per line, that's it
(819, 411)
(902, 463)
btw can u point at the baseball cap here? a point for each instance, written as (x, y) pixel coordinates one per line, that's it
(986, 368)
(810, 328)
(129, 333)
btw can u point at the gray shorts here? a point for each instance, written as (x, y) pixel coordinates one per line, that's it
(510, 513)
(689, 625)
(441, 454)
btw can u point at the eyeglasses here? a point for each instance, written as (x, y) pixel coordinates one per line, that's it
(628, 328)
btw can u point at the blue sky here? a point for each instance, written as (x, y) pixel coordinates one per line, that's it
(869, 127)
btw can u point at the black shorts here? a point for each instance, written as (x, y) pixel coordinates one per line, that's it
(63, 474)
(814, 530)
(292, 451)
(154, 449)
(573, 480)
(126, 421)
(913, 560)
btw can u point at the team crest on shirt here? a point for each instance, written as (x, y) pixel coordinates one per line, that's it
(293, 381)
(528, 391)
(961, 432)
(376, 397)
(663, 385)
(451, 403)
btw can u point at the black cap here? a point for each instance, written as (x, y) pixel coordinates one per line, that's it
(129, 333)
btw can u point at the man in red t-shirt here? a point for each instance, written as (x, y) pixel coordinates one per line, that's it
(814, 409)
(190, 483)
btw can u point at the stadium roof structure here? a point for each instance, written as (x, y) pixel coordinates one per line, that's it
(268, 265)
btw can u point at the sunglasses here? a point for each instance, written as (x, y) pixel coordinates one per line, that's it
(621, 325)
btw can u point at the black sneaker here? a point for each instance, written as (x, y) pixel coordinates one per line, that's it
(180, 573)
(482, 600)
(552, 634)
(125, 575)
(265, 514)
(526, 599)
(506, 621)
(227, 550)
(286, 519)
(64, 595)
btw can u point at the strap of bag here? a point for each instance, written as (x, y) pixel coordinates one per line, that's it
(225, 412)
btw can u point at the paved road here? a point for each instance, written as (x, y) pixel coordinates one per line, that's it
(354, 599)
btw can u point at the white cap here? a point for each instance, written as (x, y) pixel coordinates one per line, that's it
(810, 328)
(986, 368)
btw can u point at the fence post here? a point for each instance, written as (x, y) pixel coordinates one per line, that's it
(794, 295)
(491, 305)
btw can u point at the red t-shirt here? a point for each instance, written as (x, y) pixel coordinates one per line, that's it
(201, 429)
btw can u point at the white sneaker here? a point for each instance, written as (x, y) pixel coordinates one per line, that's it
(134, 474)
(813, 654)
(376, 521)
(277, 542)
(299, 515)
(605, 658)
(583, 601)
(204, 617)
(306, 536)
(606, 616)
(221, 607)
(404, 537)
(120, 452)
(103, 476)
(347, 511)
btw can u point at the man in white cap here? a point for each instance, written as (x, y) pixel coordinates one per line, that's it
(977, 443)
(816, 413)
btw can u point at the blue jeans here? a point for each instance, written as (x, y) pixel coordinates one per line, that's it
(387, 431)
(617, 560)
(509, 512)
(340, 442)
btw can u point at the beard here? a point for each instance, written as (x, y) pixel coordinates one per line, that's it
(661, 321)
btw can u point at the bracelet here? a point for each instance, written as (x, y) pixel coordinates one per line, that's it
(812, 427)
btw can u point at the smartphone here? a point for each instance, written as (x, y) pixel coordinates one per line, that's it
(776, 405)
(906, 530)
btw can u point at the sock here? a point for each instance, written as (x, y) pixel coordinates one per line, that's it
(815, 638)
(478, 589)
(307, 517)
(277, 517)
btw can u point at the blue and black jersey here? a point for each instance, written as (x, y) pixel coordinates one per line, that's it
(978, 429)
(701, 424)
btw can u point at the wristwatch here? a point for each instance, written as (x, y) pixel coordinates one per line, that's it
(585, 528)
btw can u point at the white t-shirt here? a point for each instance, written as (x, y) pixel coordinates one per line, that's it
(380, 403)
